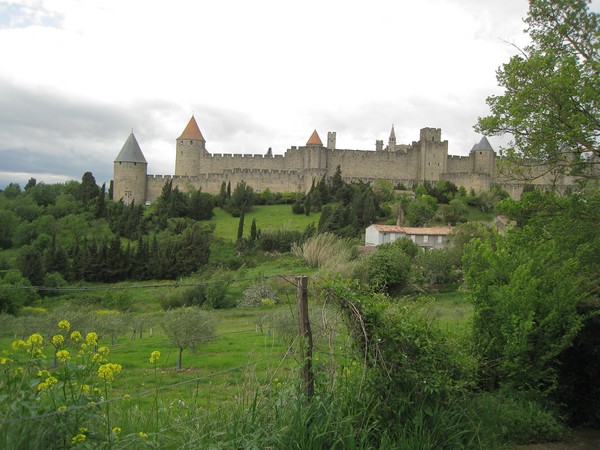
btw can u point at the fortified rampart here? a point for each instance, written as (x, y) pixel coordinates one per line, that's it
(421, 161)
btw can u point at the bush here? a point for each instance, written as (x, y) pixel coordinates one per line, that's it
(256, 295)
(434, 267)
(389, 269)
(513, 418)
(280, 240)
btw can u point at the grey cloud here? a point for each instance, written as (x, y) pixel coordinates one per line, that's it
(44, 132)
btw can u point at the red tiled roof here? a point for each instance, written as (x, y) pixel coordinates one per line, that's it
(192, 131)
(314, 139)
(430, 231)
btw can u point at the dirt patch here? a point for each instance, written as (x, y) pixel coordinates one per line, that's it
(577, 440)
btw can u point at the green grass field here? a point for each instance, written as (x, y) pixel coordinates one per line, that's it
(272, 216)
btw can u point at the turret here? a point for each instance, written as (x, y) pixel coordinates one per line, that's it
(392, 140)
(191, 147)
(130, 172)
(331, 140)
(483, 157)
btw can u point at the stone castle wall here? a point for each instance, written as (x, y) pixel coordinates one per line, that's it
(424, 160)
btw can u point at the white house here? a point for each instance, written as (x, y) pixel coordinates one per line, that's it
(432, 237)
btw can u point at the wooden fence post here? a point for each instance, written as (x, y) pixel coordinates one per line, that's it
(308, 376)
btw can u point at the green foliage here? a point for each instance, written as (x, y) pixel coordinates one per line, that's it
(552, 90)
(279, 240)
(410, 362)
(435, 267)
(525, 301)
(242, 199)
(200, 205)
(389, 269)
(58, 397)
(512, 417)
(421, 211)
(188, 328)
(12, 300)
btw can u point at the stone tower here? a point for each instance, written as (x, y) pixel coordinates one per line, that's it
(483, 157)
(190, 148)
(331, 140)
(129, 172)
(433, 156)
(392, 140)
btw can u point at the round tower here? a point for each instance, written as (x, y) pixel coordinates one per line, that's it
(130, 173)
(190, 148)
(483, 157)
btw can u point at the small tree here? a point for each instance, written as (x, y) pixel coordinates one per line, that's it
(189, 328)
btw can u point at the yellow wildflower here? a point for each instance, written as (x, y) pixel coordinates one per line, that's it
(64, 325)
(76, 336)
(104, 351)
(127, 397)
(143, 435)
(62, 408)
(78, 438)
(83, 430)
(85, 388)
(98, 358)
(91, 338)
(50, 381)
(116, 430)
(62, 355)
(154, 356)
(35, 338)
(58, 339)
(5, 360)
(18, 344)
(108, 371)
(43, 373)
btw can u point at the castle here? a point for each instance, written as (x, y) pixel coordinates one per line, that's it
(424, 160)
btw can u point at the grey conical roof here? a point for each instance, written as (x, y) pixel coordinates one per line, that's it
(131, 151)
(484, 144)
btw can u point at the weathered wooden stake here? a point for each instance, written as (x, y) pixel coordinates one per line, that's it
(308, 376)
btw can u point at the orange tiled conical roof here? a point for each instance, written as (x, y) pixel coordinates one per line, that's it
(314, 139)
(192, 131)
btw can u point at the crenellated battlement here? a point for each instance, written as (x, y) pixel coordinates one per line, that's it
(424, 160)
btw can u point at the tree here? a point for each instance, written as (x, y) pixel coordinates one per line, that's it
(200, 205)
(253, 231)
(551, 104)
(32, 266)
(89, 188)
(241, 200)
(188, 328)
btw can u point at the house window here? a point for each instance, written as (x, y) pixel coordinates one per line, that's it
(440, 240)
(425, 239)
(413, 238)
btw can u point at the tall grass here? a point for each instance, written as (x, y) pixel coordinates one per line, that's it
(323, 249)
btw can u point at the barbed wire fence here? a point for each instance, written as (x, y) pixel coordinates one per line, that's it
(301, 340)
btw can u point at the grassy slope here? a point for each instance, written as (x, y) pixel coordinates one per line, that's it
(272, 216)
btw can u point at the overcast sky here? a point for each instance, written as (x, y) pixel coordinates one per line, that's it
(76, 76)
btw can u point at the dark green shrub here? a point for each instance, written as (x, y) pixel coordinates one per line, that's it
(389, 269)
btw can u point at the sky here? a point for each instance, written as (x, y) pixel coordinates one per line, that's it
(77, 76)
